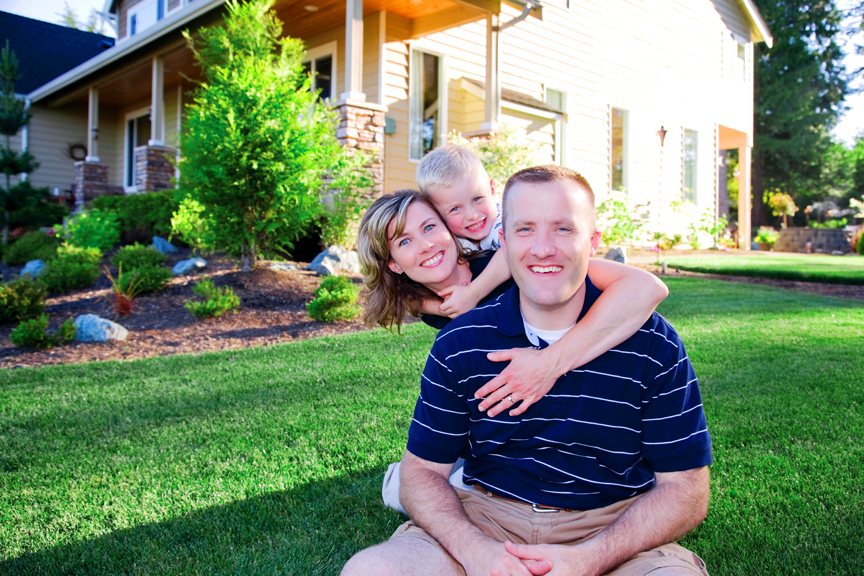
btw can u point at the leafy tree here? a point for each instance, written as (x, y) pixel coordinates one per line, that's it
(799, 92)
(14, 116)
(95, 23)
(256, 143)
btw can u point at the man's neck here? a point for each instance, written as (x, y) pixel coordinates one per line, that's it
(554, 317)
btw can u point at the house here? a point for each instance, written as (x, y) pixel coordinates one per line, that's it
(44, 52)
(639, 96)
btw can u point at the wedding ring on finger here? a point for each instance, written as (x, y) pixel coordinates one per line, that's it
(510, 398)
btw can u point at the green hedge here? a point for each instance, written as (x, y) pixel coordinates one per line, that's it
(141, 215)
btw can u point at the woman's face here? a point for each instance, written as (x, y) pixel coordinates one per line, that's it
(425, 251)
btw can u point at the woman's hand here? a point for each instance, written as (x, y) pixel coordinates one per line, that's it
(530, 375)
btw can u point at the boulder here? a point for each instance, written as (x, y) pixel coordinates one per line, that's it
(617, 255)
(92, 328)
(163, 245)
(33, 268)
(186, 266)
(335, 258)
(283, 266)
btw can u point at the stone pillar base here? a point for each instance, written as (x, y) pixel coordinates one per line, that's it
(361, 126)
(153, 169)
(91, 180)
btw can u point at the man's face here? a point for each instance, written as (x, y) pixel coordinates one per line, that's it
(468, 207)
(549, 238)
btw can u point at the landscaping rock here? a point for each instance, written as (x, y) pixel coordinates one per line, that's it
(92, 328)
(186, 266)
(335, 258)
(33, 268)
(163, 245)
(283, 266)
(617, 255)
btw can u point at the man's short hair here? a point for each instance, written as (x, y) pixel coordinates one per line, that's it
(544, 175)
(447, 166)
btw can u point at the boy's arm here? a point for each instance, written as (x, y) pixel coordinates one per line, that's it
(430, 306)
(629, 298)
(461, 299)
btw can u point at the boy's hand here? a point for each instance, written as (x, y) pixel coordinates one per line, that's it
(457, 300)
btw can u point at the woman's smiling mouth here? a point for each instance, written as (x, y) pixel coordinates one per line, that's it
(433, 261)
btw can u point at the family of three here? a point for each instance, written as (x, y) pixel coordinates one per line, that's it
(559, 427)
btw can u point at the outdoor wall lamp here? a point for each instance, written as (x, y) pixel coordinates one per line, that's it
(662, 134)
(95, 131)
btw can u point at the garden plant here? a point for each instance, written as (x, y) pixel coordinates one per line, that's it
(335, 299)
(34, 333)
(21, 299)
(502, 153)
(216, 301)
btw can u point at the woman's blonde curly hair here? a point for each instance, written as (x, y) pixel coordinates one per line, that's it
(391, 296)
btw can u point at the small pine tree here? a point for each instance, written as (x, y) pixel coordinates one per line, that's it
(255, 141)
(14, 116)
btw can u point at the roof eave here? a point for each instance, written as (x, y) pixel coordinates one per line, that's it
(763, 34)
(125, 47)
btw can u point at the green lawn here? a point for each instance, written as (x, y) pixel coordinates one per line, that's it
(805, 267)
(269, 461)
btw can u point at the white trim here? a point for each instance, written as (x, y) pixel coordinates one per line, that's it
(328, 49)
(126, 167)
(382, 54)
(443, 92)
(758, 22)
(561, 125)
(626, 148)
(126, 46)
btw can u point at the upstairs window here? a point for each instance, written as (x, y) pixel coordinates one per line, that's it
(427, 105)
(618, 149)
(143, 15)
(690, 156)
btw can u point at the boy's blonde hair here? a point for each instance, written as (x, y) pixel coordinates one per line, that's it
(446, 166)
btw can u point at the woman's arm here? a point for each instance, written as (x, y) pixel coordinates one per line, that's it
(629, 297)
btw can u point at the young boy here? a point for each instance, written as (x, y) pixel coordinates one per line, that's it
(454, 180)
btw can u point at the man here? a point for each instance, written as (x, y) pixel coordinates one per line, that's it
(600, 475)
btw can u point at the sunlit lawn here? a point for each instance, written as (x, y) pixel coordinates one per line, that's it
(269, 460)
(805, 267)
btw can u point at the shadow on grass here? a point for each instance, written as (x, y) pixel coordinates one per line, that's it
(312, 529)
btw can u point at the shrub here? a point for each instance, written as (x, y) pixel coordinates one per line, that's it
(860, 248)
(350, 191)
(141, 216)
(41, 214)
(502, 153)
(32, 246)
(72, 268)
(147, 279)
(83, 255)
(34, 333)
(21, 299)
(216, 302)
(621, 223)
(137, 256)
(335, 299)
(124, 292)
(93, 229)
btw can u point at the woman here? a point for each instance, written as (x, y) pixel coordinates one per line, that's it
(408, 256)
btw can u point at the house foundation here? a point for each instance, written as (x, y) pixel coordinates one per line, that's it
(153, 169)
(91, 180)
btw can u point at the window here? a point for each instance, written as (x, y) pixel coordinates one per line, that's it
(739, 66)
(137, 134)
(427, 106)
(618, 149)
(144, 15)
(691, 139)
(320, 62)
(558, 99)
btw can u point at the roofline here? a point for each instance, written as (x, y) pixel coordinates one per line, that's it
(764, 34)
(125, 47)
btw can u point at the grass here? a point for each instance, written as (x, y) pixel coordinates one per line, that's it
(270, 460)
(803, 267)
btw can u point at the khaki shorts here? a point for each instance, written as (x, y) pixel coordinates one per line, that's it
(519, 523)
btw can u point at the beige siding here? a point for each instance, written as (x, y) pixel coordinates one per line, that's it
(51, 132)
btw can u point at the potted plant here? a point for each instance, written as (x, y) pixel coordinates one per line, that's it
(766, 237)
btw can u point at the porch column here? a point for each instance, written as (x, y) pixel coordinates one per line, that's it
(744, 200)
(93, 126)
(492, 108)
(157, 108)
(353, 51)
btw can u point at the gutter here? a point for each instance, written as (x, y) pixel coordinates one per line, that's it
(125, 47)
(759, 22)
(527, 7)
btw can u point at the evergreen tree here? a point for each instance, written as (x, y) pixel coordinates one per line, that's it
(13, 117)
(799, 92)
(255, 142)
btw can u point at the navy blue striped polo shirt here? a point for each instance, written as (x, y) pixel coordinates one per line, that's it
(596, 438)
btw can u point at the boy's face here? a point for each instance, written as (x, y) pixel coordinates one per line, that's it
(468, 207)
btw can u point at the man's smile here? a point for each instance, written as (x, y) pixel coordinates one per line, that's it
(545, 269)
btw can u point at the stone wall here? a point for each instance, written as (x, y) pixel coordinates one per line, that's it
(153, 170)
(91, 180)
(822, 241)
(361, 126)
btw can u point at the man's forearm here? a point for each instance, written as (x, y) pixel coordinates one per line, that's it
(664, 514)
(434, 506)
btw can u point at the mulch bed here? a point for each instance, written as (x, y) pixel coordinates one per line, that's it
(273, 309)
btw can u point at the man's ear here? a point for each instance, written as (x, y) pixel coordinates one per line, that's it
(501, 235)
(595, 241)
(394, 267)
(492, 186)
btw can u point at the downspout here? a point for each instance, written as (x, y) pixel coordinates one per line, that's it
(25, 133)
(493, 82)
